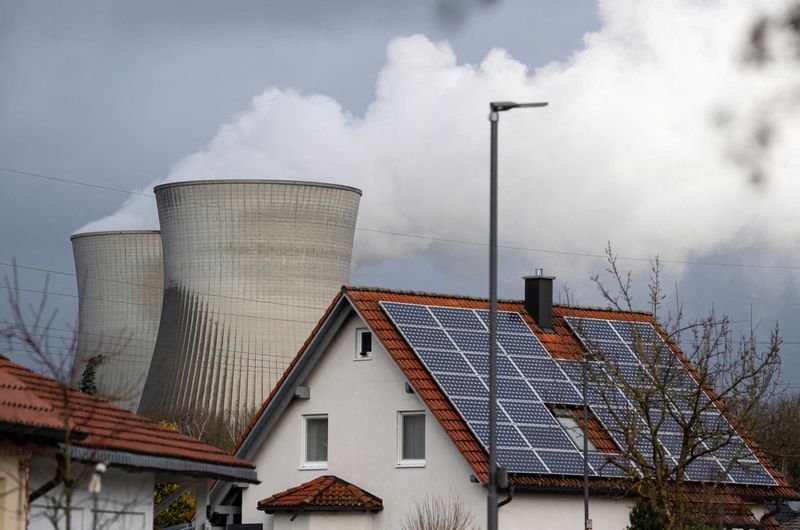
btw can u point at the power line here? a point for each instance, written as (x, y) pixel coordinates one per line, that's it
(69, 181)
(448, 240)
(160, 288)
(67, 295)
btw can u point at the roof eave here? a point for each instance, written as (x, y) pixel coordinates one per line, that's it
(179, 466)
(327, 508)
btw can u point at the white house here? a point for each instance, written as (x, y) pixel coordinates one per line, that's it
(366, 424)
(52, 437)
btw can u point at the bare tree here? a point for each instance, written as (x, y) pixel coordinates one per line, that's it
(776, 434)
(663, 407)
(31, 330)
(219, 430)
(439, 513)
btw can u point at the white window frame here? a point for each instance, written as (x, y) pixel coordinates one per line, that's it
(357, 354)
(416, 462)
(304, 462)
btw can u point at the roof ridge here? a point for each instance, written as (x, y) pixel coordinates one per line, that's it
(428, 294)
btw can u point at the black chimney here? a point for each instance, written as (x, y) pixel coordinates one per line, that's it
(539, 299)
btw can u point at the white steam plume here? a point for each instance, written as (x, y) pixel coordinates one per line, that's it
(628, 150)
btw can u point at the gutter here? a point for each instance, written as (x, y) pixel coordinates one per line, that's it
(48, 433)
(165, 463)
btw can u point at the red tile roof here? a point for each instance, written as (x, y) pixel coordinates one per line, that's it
(19, 406)
(30, 399)
(561, 343)
(325, 493)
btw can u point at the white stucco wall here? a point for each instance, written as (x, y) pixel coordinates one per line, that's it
(124, 503)
(362, 400)
(324, 521)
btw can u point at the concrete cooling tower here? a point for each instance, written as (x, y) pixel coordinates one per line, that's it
(249, 268)
(120, 286)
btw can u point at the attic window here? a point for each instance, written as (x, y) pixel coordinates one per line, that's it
(574, 430)
(570, 418)
(363, 344)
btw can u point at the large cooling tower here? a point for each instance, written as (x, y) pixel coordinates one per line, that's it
(249, 267)
(120, 286)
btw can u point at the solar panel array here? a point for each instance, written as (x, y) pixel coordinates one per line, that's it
(453, 344)
(635, 350)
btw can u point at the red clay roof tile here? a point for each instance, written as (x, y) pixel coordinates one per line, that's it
(324, 493)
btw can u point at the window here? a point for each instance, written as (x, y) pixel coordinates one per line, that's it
(573, 429)
(315, 442)
(411, 439)
(363, 344)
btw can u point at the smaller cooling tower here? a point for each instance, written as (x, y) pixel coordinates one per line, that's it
(120, 287)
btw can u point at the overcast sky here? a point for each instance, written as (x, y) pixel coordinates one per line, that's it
(643, 143)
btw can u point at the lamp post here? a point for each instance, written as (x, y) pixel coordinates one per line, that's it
(587, 523)
(95, 485)
(495, 108)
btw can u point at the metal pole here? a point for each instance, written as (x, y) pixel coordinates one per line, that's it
(492, 500)
(587, 525)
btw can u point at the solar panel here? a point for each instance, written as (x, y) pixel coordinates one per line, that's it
(480, 362)
(444, 361)
(522, 345)
(412, 314)
(456, 318)
(705, 470)
(507, 321)
(527, 412)
(453, 344)
(507, 435)
(558, 392)
(539, 368)
(551, 437)
(462, 386)
(752, 472)
(475, 341)
(564, 462)
(521, 460)
(477, 410)
(616, 352)
(428, 338)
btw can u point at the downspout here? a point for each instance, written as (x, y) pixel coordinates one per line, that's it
(508, 498)
(53, 482)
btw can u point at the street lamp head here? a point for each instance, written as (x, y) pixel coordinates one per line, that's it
(500, 106)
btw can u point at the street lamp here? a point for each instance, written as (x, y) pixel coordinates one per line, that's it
(495, 108)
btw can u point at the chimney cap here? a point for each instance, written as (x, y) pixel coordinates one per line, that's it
(539, 276)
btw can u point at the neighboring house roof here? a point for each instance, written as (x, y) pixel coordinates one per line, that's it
(19, 407)
(109, 433)
(325, 493)
(561, 343)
